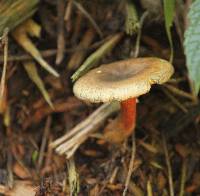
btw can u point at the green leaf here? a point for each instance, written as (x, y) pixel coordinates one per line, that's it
(169, 6)
(14, 12)
(192, 45)
(96, 56)
(32, 72)
(132, 23)
(34, 156)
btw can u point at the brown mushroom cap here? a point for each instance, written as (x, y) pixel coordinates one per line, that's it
(122, 80)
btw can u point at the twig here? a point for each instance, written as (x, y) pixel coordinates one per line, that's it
(180, 92)
(167, 159)
(67, 15)
(68, 11)
(137, 44)
(52, 52)
(131, 163)
(178, 121)
(77, 27)
(77, 58)
(60, 31)
(5, 59)
(9, 168)
(24, 57)
(183, 177)
(88, 16)
(175, 101)
(44, 142)
(114, 174)
(68, 143)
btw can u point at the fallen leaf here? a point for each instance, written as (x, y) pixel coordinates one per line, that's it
(22, 188)
(20, 171)
(32, 72)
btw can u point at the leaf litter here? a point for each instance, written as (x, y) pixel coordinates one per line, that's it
(167, 155)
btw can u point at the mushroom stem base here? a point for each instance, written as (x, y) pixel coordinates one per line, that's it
(128, 115)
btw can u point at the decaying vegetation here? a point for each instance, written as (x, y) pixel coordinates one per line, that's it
(53, 143)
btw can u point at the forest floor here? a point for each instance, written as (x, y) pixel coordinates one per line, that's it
(166, 146)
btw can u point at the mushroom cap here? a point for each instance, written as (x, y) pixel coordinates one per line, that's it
(122, 80)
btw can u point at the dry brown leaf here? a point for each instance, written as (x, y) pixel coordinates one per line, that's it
(161, 181)
(32, 72)
(21, 33)
(22, 188)
(20, 171)
(94, 191)
(114, 131)
(114, 187)
(59, 106)
(182, 150)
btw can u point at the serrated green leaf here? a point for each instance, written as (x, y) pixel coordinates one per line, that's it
(192, 45)
(169, 6)
(32, 72)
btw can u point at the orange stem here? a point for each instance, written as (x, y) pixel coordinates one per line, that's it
(128, 115)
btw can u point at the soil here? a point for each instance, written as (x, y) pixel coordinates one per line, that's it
(167, 135)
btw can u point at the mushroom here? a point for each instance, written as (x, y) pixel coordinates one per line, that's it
(123, 81)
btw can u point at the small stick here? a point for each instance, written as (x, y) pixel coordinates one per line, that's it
(131, 163)
(170, 179)
(53, 52)
(77, 139)
(68, 143)
(77, 58)
(24, 57)
(113, 176)
(9, 169)
(5, 59)
(180, 92)
(175, 101)
(60, 31)
(89, 17)
(68, 11)
(77, 26)
(183, 177)
(138, 39)
(44, 142)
